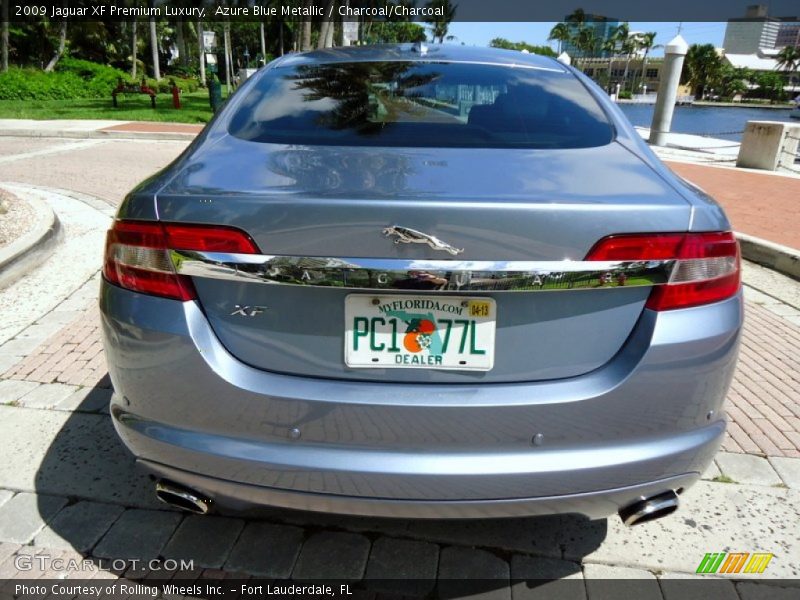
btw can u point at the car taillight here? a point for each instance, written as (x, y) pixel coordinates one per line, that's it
(707, 265)
(137, 255)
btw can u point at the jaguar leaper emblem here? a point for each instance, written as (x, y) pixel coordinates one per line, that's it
(404, 235)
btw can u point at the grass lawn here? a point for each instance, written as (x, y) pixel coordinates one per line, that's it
(133, 107)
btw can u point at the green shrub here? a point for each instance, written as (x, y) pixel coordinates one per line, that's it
(75, 78)
(625, 95)
(33, 84)
(99, 80)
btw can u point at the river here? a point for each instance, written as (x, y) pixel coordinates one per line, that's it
(713, 121)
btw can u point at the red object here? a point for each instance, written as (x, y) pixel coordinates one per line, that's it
(684, 247)
(176, 96)
(137, 254)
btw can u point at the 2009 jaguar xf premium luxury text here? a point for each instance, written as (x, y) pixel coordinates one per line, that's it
(418, 282)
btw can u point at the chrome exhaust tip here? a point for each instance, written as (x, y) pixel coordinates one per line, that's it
(182, 497)
(649, 509)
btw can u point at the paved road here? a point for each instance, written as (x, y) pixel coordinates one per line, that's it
(68, 488)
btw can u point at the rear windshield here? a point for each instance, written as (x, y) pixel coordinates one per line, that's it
(421, 104)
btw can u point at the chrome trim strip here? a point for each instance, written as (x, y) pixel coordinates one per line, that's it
(422, 275)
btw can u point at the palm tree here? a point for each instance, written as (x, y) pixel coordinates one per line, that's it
(562, 33)
(789, 61)
(154, 45)
(586, 41)
(701, 67)
(327, 24)
(647, 43)
(578, 17)
(134, 44)
(440, 24)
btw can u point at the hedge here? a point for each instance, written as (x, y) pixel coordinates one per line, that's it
(75, 78)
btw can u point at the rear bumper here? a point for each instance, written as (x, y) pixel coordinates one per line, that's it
(648, 421)
(242, 497)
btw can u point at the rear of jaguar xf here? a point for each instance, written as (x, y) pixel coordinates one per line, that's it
(444, 283)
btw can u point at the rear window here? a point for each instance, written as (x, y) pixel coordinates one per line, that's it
(421, 104)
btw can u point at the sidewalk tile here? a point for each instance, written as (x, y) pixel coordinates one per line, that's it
(5, 496)
(266, 550)
(24, 515)
(684, 586)
(12, 390)
(403, 567)
(604, 582)
(536, 578)
(459, 568)
(788, 469)
(205, 540)
(79, 526)
(47, 395)
(332, 555)
(138, 534)
(762, 591)
(86, 399)
(711, 472)
(746, 468)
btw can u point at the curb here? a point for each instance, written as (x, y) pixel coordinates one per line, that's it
(98, 134)
(31, 248)
(783, 259)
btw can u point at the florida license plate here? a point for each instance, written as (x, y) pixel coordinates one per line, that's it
(419, 332)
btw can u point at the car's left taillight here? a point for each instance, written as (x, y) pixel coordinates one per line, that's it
(137, 255)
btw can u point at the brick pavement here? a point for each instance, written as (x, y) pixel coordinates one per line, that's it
(763, 403)
(760, 204)
(72, 356)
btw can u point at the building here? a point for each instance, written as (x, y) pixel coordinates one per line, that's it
(789, 33)
(603, 29)
(745, 35)
(610, 71)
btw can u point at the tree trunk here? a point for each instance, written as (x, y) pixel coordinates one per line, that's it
(329, 36)
(327, 24)
(134, 44)
(305, 44)
(62, 42)
(280, 38)
(263, 42)
(183, 55)
(227, 41)
(4, 36)
(154, 49)
(201, 52)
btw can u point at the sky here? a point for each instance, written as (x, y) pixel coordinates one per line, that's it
(479, 34)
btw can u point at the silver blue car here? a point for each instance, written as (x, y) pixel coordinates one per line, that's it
(418, 281)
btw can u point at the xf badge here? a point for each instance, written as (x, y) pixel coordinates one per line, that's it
(247, 311)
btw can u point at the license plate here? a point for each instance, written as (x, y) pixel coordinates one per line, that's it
(419, 332)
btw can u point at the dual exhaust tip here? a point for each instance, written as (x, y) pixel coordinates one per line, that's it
(641, 511)
(649, 509)
(182, 497)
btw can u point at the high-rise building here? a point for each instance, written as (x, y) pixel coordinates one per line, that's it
(789, 33)
(745, 35)
(603, 28)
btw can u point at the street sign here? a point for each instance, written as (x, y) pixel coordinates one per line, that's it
(349, 32)
(209, 41)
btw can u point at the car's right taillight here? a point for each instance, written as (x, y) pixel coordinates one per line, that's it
(707, 267)
(138, 256)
